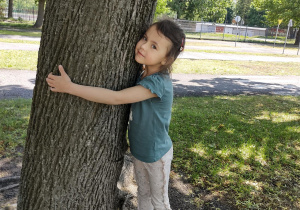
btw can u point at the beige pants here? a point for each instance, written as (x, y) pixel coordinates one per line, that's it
(153, 181)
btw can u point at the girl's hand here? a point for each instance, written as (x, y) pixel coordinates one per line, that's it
(59, 83)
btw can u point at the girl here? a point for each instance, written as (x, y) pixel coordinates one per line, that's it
(150, 115)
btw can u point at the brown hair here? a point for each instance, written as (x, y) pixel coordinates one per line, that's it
(175, 34)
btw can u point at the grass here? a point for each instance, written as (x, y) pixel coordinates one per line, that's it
(12, 23)
(233, 37)
(14, 116)
(21, 41)
(217, 67)
(242, 149)
(27, 60)
(18, 59)
(21, 33)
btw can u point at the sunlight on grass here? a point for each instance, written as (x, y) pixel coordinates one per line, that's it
(18, 59)
(222, 144)
(217, 67)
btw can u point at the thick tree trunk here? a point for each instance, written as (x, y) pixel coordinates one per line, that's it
(74, 148)
(10, 9)
(40, 17)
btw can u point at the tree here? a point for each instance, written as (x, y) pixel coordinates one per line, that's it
(242, 9)
(41, 11)
(284, 9)
(207, 10)
(161, 8)
(75, 148)
(10, 9)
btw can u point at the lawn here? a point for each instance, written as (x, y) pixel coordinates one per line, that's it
(241, 149)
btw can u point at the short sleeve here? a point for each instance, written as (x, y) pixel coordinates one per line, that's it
(155, 83)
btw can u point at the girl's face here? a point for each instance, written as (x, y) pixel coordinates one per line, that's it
(152, 49)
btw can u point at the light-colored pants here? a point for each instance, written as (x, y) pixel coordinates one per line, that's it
(153, 181)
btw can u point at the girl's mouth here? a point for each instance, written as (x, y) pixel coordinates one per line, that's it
(140, 54)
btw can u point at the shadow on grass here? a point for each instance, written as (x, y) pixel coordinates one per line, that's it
(243, 150)
(232, 86)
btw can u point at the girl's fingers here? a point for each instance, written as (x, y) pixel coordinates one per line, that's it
(62, 71)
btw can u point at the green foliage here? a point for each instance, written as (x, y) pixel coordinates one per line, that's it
(255, 18)
(21, 4)
(161, 8)
(283, 9)
(207, 10)
(2, 7)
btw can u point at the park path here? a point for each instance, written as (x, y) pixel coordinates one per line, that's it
(20, 84)
(17, 83)
(224, 46)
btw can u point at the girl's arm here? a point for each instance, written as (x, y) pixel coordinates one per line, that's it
(64, 84)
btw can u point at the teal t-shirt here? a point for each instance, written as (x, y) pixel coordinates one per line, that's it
(150, 119)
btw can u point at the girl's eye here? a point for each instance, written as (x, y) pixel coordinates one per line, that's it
(153, 47)
(145, 38)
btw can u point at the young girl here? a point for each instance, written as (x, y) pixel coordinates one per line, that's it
(150, 115)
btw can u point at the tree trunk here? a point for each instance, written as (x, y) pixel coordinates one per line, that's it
(75, 148)
(40, 17)
(297, 37)
(10, 9)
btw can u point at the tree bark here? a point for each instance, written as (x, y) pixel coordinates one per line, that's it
(40, 17)
(10, 9)
(75, 148)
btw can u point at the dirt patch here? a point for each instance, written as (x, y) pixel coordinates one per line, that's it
(182, 194)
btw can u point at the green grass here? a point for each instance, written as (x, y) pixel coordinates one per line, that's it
(12, 23)
(242, 149)
(18, 59)
(233, 37)
(21, 33)
(19, 41)
(241, 53)
(14, 115)
(27, 60)
(217, 67)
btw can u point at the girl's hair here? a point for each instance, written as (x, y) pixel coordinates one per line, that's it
(175, 34)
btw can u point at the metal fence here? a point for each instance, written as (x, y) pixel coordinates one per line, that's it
(208, 30)
(24, 14)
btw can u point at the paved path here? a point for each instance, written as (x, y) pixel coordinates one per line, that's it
(219, 46)
(20, 84)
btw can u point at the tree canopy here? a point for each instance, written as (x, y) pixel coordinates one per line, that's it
(279, 9)
(207, 10)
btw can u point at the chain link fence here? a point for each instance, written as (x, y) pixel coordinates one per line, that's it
(215, 31)
(23, 14)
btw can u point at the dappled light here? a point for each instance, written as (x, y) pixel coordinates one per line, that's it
(246, 147)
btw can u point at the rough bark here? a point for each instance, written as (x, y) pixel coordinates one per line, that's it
(10, 9)
(75, 148)
(41, 12)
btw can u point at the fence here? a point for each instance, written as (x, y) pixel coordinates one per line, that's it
(206, 30)
(24, 14)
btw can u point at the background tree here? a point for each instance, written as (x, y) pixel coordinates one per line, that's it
(178, 6)
(161, 8)
(284, 9)
(10, 8)
(207, 10)
(74, 148)
(41, 12)
(242, 9)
